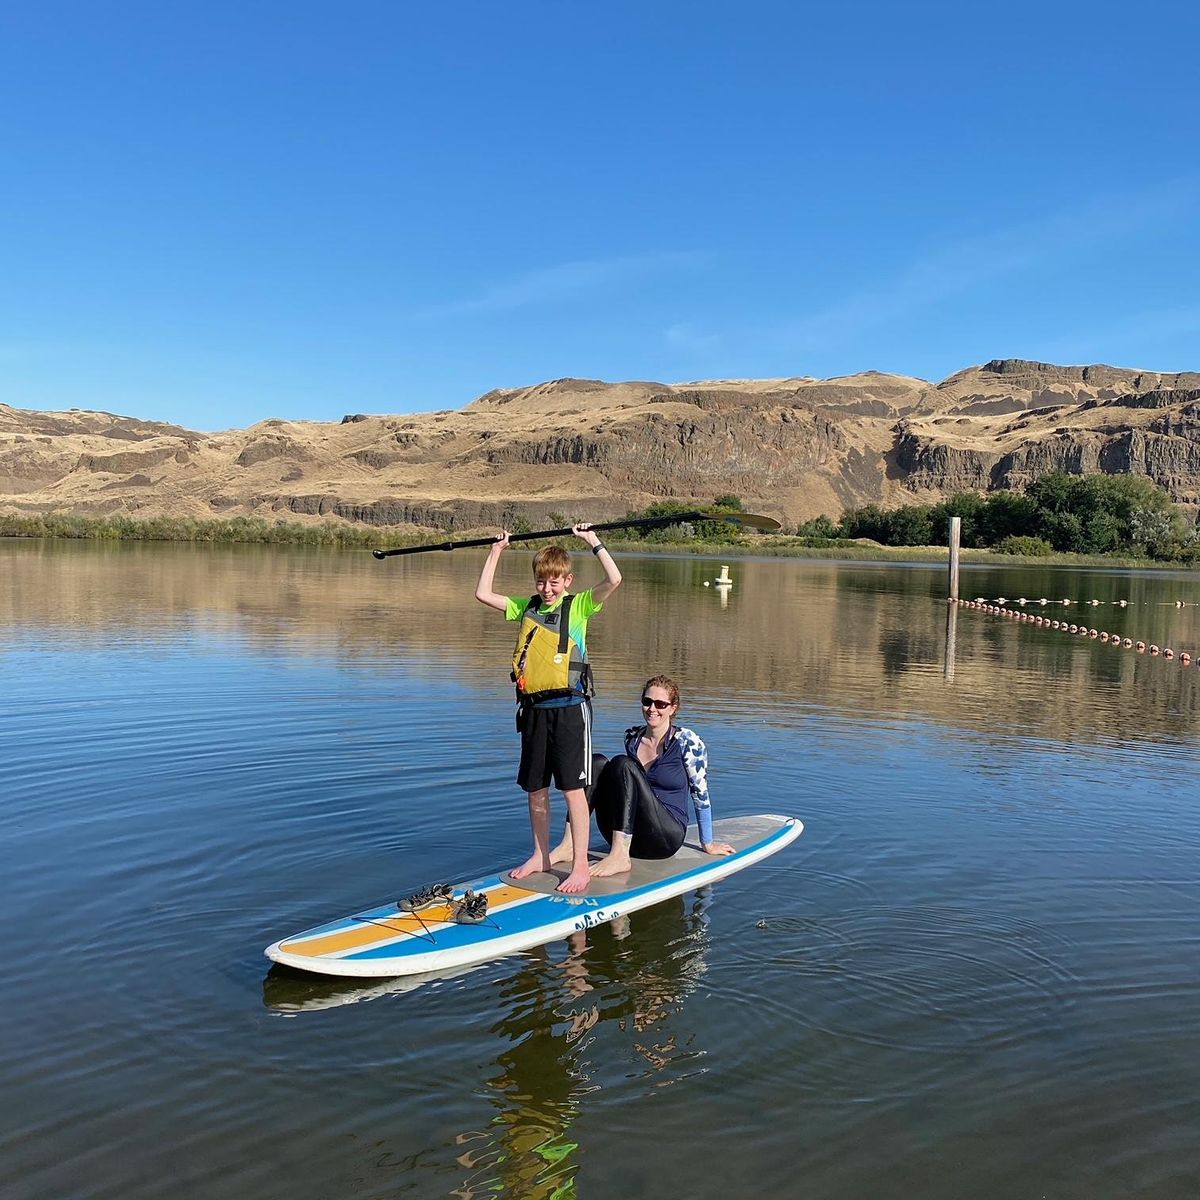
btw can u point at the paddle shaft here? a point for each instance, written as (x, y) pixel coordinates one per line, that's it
(631, 523)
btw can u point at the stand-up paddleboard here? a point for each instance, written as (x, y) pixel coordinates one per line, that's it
(387, 942)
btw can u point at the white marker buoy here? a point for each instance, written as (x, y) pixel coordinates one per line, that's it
(724, 575)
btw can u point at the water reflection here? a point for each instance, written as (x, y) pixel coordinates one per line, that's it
(851, 638)
(951, 642)
(635, 973)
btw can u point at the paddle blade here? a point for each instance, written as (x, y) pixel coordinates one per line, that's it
(748, 521)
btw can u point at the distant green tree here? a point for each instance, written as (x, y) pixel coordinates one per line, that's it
(869, 521)
(967, 506)
(910, 526)
(818, 527)
(1154, 534)
(1094, 514)
(729, 501)
(662, 533)
(1005, 514)
(1063, 530)
(1102, 532)
(1052, 493)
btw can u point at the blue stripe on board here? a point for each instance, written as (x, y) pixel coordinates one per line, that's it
(548, 910)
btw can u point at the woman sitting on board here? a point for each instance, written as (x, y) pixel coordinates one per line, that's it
(640, 798)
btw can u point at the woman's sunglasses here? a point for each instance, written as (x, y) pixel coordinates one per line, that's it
(647, 702)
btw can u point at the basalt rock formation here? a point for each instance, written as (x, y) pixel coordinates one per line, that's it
(574, 448)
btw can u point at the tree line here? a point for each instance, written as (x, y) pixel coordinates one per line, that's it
(1079, 514)
(1082, 514)
(186, 529)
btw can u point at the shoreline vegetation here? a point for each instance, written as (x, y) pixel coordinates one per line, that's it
(673, 540)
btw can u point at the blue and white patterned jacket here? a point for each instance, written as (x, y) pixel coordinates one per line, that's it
(679, 772)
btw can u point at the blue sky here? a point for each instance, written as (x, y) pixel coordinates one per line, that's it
(218, 213)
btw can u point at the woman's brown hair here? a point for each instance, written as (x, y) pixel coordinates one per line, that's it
(667, 684)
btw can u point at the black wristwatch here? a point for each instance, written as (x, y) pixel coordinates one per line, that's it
(597, 547)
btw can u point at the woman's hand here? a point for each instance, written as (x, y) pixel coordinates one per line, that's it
(718, 848)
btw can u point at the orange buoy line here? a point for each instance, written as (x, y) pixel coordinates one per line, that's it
(1078, 629)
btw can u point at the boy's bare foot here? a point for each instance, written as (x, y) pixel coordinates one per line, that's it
(563, 852)
(574, 883)
(611, 864)
(534, 863)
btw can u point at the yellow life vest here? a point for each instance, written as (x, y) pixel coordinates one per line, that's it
(548, 663)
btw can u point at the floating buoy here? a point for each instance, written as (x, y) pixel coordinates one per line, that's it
(1153, 648)
(1128, 643)
(1104, 636)
(724, 575)
(1043, 601)
(1123, 603)
(1022, 601)
(1074, 628)
(1140, 647)
(706, 583)
(1001, 600)
(1066, 602)
(1184, 659)
(1168, 652)
(1093, 633)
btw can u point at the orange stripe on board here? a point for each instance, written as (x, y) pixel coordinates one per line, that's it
(386, 929)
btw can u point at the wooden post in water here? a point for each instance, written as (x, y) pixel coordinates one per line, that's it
(955, 535)
(951, 640)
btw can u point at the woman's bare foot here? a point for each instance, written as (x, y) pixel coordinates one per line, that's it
(576, 882)
(534, 863)
(611, 864)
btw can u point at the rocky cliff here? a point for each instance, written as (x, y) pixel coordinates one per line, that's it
(792, 447)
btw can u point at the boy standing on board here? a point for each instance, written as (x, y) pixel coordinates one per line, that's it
(554, 690)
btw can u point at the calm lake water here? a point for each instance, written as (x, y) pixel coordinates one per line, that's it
(977, 974)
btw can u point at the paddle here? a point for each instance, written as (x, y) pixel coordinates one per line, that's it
(740, 519)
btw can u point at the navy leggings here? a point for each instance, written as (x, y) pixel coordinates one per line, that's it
(624, 802)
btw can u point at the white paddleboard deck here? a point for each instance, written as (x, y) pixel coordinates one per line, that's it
(385, 942)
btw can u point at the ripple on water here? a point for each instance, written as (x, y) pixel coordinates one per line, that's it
(918, 982)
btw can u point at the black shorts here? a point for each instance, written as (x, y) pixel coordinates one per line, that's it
(556, 744)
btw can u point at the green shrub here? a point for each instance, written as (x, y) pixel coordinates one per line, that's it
(1030, 547)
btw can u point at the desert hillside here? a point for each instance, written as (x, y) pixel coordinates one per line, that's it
(792, 448)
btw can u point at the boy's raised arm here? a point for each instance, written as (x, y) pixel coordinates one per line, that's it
(484, 592)
(612, 573)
